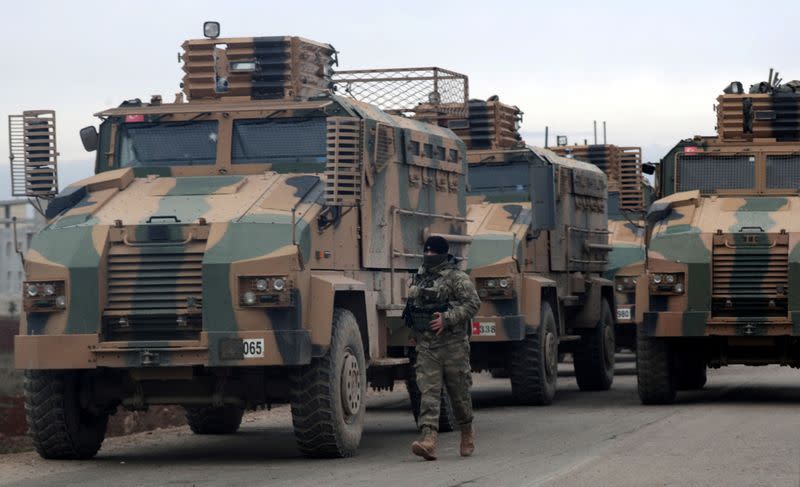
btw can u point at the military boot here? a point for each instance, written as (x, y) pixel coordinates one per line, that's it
(425, 447)
(467, 440)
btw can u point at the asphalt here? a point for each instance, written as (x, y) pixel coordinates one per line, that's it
(743, 429)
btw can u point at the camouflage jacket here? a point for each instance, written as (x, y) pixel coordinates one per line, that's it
(445, 289)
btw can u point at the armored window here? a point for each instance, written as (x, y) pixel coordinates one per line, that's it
(452, 155)
(500, 182)
(783, 172)
(414, 148)
(428, 150)
(440, 153)
(282, 142)
(712, 172)
(168, 144)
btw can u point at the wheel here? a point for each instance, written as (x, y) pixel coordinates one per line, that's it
(209, 420)
(594, 354)
(689, 370)
(534, 363)
(654, 371)
(498, 373)
(59, 427)
(447, 419)
(328, 396)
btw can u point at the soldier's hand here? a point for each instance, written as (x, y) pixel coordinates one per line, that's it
(437, 324)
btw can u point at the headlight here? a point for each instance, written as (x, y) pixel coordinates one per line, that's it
(620, 287)
(503, 283)
(667, 283)
(262, 284)
(249, 298)
(44, 297)
(278, 284)
(265, 291)
(491, 283)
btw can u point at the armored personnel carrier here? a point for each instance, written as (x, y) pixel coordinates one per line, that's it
(722, 248)
(245, 245)
(628, 198)
(538, 236)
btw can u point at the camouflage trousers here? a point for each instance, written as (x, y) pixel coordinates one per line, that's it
(444, 366)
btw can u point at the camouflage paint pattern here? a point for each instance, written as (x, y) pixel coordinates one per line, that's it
(735, 250)
(155, 261)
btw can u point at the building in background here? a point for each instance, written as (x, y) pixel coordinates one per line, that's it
(11, 271)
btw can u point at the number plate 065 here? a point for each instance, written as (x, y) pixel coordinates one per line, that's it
(253, 347)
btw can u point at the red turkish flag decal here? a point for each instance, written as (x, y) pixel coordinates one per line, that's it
(134, 118)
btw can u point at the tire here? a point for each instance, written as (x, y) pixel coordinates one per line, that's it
(58, 426)
(594, 354)
(534, 363)
(447, 419)
(328, 396)
(209, 420)
(689, 372)
(656, 383)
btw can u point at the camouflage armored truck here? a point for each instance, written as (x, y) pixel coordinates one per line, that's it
(538, 223)
(245, 247)
(628, 198)
(722, 256)
(537, 230)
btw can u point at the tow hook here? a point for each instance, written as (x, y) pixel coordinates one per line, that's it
(148, 358)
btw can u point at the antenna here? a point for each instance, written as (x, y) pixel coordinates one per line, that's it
(604, 132)
(546, 135)
(769, 80)
(595, 132)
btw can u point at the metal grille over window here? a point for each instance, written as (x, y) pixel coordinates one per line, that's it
(343, 169)
(630, 179)
(279, 140)
(384, 148)
(710, 172)
(783, 172)
(168, 144)
(419, 92)
(33, 153)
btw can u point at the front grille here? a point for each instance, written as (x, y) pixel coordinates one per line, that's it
(750, 275)
(157, 290)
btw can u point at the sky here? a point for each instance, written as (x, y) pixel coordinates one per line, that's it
(651, 70)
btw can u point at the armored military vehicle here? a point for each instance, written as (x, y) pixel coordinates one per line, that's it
(628, 198)
(245, 245)
(537, 228)
(722, 248)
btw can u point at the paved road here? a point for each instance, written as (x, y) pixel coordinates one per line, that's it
(744, 429)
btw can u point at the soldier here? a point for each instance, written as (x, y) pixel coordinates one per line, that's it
(441, 303)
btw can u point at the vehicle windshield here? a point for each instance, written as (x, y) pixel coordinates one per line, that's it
(168, 144)
(280, 141)
(711, 172)
(500, 182)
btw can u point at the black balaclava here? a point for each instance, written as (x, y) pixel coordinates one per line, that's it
(439, 247)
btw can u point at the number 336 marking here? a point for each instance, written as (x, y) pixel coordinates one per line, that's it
(253, 347)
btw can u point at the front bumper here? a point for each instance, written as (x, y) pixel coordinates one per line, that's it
(699, 323)
(213, 349)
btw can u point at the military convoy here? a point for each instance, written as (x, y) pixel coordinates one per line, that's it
(722, 254)
(252, 243)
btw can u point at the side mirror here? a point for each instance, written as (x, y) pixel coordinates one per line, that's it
(649, 168)
(89, 138)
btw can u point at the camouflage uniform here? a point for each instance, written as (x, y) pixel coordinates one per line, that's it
(443, 360)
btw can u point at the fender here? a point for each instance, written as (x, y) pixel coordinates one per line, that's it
(323, 290)
(599, 288)
(531, 298)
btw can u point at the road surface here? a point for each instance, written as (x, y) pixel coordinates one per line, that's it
(743, 429)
